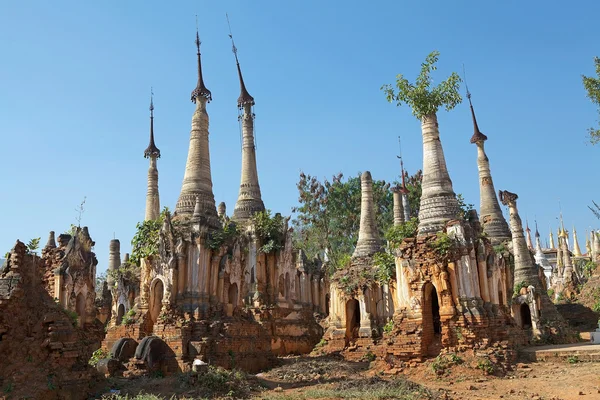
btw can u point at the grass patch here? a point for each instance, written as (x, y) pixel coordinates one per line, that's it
(368, 388)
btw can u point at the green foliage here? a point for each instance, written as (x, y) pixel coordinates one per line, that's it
(343, 261)
(389, 327)
(458, 332)
(8, 388)
(464, 207)
(518, 288)
(328, 215)
(592, 87)
(443, 246)
(222, 236)
(397, 233)
(499, 249)
(550, 293)
(270, 230)
(145, 240)
(322, 343)
(97, 356)
(386, 266)
(129, 271)
(573, 359)
(129, 317)
(369, 357)
(421, 97)
(33, 245)
(73, 316)
(444, 362)
(486, 365)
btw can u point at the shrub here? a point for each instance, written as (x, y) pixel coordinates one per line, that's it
(97, 356)
(386, 266)
(397, 233)
(389, 327)
(486, 365)
(270, 230)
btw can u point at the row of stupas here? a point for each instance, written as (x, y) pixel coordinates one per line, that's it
(214, 288)
(446, 293)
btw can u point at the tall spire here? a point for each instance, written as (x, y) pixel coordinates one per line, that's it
(245, 97)
(197, 181)
(529, 243)
(438, 203)
(152, 152)
(492, 220)
(200, 90)
(249, 199)
(368, 235)
(576, 248)
(552, 246)
(525, 270)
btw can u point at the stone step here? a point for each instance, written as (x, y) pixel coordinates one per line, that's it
(577, 352)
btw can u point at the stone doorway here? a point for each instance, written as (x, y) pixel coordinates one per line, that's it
(80, 308)
(500, 294)
(352, 320)
(432, 324)
(525, 316)
(120, 314)
(156, 298)
(233, 294)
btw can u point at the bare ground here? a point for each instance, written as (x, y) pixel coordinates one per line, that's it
(330, 377)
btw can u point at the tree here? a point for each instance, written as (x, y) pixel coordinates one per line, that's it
(328, 216)
(420, 97)
(592, 87)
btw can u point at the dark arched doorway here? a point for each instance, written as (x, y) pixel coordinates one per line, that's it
(500, 293)
(432, 325)
(156, 298)
(326, 304)
(352, 320)
(233, 294)
(525, 316)
(120, 313)
(80, 308)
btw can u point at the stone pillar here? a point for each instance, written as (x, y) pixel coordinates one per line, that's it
(596, 245)
(491, 217)
(153, 153)
(222, 210)
(114, 260)
(152, 197)
(249, 199)
(368, 235)
(525, 269)
(576, 248)
(438, 201)
(398, 207)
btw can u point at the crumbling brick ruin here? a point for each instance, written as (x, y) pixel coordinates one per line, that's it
(231, 292)
(48, 340)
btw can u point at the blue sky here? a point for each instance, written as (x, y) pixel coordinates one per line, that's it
(75, 79)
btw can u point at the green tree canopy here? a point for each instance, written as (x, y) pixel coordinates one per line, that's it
(421, 97)
(328, 214)
(592, 87)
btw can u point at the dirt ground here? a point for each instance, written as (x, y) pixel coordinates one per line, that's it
(330, 377)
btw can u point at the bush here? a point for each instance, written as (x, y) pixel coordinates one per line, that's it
(386, 266)
(397, 233)
(389, 327)
(97, 356)
(270, 231)
(486, 365)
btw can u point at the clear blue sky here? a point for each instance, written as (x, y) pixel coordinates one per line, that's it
(75, 78)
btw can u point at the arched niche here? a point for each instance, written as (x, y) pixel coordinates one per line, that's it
(120, 313)
(157, 293)
(80, 308)
(232, 294)
(432, 326)
(352, 319)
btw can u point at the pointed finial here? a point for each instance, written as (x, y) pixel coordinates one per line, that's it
(537, 233)
(477, 135)
(201, 90)
(152, 150)
(245, 97)
(527, 224)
